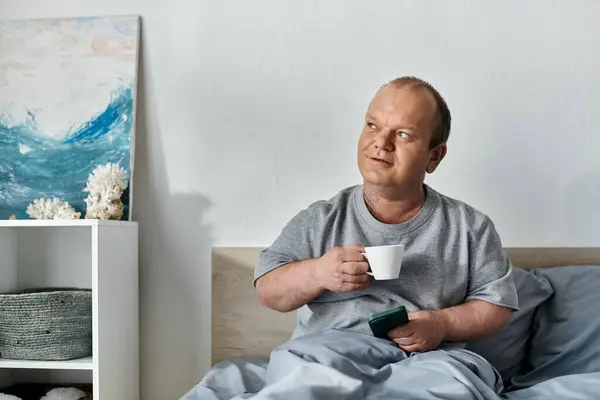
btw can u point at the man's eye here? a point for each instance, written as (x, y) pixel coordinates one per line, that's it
(403, 134)
(371, 125)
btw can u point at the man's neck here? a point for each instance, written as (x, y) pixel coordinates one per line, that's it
(390, 207)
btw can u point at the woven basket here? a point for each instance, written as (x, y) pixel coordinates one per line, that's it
(46, 324)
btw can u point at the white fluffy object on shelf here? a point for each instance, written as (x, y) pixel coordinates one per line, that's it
(105, 186)
(100, 208)
(67, 393)
(51, 209)
(8, 397)
(107, 181)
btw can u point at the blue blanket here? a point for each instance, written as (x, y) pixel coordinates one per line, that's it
(347, 365)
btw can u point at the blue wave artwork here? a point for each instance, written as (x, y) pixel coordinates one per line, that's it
(34, 166)
(67, 106)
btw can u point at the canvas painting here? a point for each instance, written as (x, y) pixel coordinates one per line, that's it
(67, 105)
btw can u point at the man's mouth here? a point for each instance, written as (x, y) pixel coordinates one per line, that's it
(381, 160)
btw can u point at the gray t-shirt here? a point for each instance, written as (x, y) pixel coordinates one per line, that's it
(452, 254)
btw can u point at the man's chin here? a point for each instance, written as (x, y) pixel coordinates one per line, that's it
(378, 178)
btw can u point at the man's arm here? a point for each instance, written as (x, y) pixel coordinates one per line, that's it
(289, 287)
(341, 269)
(473, 320)
(284, 277)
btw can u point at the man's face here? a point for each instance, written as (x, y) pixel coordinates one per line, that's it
(394, 146)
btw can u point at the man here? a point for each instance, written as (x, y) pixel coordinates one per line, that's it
(455, 279)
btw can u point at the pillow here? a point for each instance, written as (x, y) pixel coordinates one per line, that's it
(565, 336)
(506, 349)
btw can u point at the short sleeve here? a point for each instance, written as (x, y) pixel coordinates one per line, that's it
(490, 271)
(294, 243)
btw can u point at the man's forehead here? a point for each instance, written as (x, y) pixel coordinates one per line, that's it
(405, 101)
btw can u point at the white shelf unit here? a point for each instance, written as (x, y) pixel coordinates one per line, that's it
(91, 254)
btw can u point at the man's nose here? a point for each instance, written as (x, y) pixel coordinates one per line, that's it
(385, 140)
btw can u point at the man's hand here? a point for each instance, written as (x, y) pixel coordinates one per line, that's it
(423, 332)
(342, 269)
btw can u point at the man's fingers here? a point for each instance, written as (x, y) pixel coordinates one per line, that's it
(413, 348)
(402, 331)
(362, 278)
(353, 253)
(355, 268)
(405, 342)
(354, 247)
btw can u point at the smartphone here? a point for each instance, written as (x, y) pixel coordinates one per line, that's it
(383, 322)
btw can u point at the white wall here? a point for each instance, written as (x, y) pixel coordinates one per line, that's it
(267, 93)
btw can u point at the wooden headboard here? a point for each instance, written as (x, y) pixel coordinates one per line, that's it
(242, 327)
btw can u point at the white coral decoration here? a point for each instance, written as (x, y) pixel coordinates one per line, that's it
(101, 208)
(51, 209)
(105, 187)
(107, 181)
(67, 393)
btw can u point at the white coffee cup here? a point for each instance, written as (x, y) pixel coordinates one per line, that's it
(385, 261)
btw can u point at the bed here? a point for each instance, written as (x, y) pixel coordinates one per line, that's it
(550, 348)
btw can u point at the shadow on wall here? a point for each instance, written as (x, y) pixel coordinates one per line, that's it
(174, 258)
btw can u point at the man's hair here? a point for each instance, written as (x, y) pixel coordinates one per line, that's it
(442, 130)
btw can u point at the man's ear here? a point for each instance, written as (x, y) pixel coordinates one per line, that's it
(436, 155)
